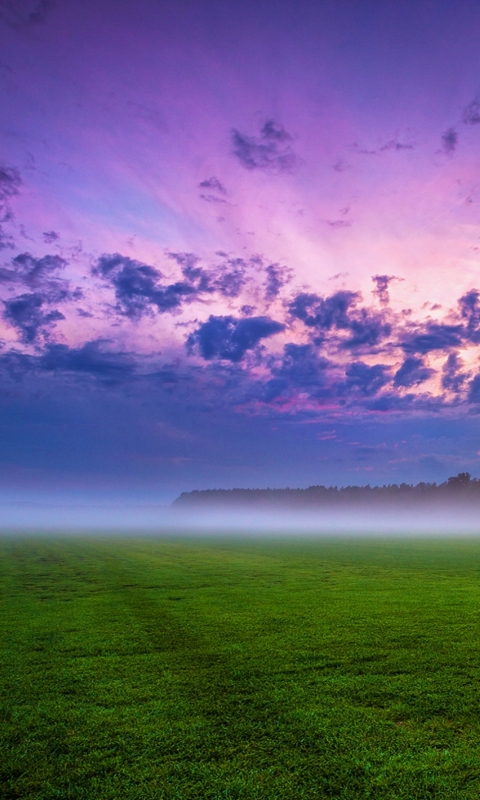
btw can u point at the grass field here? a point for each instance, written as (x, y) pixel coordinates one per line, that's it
(150, 668)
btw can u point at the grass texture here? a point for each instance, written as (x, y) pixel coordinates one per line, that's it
(222, 669)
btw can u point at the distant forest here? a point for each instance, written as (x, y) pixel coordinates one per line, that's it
(459, 489)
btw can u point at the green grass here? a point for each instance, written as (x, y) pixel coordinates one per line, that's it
(147, 668)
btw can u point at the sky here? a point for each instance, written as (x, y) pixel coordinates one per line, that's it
(239, 245)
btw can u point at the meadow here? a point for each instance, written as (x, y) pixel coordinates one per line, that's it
(226, 668)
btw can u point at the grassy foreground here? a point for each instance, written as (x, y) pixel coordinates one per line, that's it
(146, 668)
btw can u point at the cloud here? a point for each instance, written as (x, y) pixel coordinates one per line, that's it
(212, 198)
(213, 184)
(277, 278)
(10, 182)
(6, 240)
(15, 365)
(382, 283)
(336, 224)
(50, 236)
(271, 151)
(471, 114)
(304, 376)
(91, 358)
(137, 286)
(40, 275)
(392, 144)
(323, 313)
(405, 404)
(329, 359)
(20, 14)
(340, 311)
(366, 328)
(27, 314)
(35, 271)
(474, 390)
(229, 338)
(412, 372)
(227, 278)
(449, 141)
(301, 370)
(452, 378)
(216, 191)
(469, 306)
(435, 336)
(367, 380)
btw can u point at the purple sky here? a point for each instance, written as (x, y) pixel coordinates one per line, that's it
(240, 244)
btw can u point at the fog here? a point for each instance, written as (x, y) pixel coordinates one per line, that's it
(155, 519)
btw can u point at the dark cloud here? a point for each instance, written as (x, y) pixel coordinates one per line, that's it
(303, 372)
(193, 273)
(229, 338)
(412, 372)
(41, 275)
(137, 286)
(6, 240)
(392, 144)
(213, 185)
(367, 329)
(365, 379)
(435, 336)
(91, 358)
(227, 277)
(213, 191)
(27, 313)
(20, 14)
(15, 365)
(50, 236)
(449, 141)
(382, 283)
(336, 224)
(10, 182)
(471, 114)
(277, 277)
(271, 151)
(452, 377)
(324, 313)
(340, 311)
(36, 271)
(469, 306)
(474, 390)
(392, 402)
(300, 370)
(212, 198)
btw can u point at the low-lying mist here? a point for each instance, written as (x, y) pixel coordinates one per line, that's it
(152, 519)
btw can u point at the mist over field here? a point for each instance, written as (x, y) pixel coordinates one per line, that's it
(163, 520)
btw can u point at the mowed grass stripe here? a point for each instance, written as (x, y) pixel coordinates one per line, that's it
(138, 668)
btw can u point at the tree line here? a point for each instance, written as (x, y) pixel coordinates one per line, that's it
(461, 487)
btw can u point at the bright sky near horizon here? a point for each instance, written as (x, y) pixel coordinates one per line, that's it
(240, 243)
